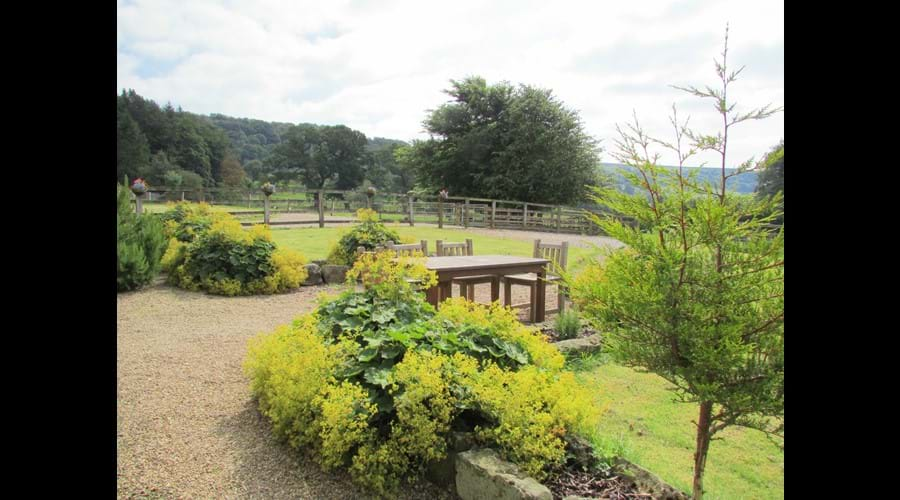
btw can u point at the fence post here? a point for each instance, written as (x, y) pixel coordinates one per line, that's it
(411, 210)
(266, 211)
(466, 214)
(525, 216)
(321, 208)
(493, 212)
(558, 218)
(139, 205)
(440, 212)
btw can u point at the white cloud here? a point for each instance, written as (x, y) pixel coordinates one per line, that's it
(377, 66)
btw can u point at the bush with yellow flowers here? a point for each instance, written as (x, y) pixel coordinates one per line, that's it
(375, 380)
(370, 233)
(210, 251)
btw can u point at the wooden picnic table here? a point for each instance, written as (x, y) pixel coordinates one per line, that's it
(448, 268)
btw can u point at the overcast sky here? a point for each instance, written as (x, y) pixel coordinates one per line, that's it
(378, 65)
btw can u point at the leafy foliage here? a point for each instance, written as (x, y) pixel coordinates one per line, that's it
(211, 251)
(370, 233)
(139, 244)
(376, 380)
(771, 177)
(500, 141)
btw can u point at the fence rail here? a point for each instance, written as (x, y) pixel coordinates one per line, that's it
(454, 210)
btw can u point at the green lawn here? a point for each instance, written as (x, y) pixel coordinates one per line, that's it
(744, 464)
(315, 242)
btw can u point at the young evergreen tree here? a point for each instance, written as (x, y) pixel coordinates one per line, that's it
(697, 294)
(139, 244)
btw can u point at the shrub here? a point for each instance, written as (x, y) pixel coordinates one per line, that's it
(375, 380)
(212, 252)
(568, 324)
(139, 244)
(369, 234)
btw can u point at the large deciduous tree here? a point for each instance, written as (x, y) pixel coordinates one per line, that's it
(697, 294)
(318, 155)
(508, 142)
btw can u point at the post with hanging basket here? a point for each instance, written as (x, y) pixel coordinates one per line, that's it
(139, 187)
(443, 195)
(369, 194)
(268, 189)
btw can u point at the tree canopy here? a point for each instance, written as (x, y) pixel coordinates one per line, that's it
(771, 176)
(152, 141)
(501, 141)
(318, 154)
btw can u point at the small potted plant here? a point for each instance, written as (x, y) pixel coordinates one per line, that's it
(268, 189)
(139, 186)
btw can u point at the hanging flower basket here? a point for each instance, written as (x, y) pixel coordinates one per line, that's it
(139, 187)
(268, 189)
(371, 191)
(444, 194)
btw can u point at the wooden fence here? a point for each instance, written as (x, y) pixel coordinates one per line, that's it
(452, 211)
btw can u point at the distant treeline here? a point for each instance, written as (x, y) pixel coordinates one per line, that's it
(171, 147)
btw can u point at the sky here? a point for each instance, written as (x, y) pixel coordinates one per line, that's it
(379, 66)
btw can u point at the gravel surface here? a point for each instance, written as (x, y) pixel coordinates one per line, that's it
(187, 427)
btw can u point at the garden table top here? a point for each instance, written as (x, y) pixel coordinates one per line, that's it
(499, 263)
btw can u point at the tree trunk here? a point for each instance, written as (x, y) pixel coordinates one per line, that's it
(703, 437)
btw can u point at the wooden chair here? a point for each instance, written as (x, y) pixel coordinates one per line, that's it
(410, 249)
(558, 255)
(467, 284)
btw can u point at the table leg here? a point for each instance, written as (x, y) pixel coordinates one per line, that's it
(495, 289)
(432, 295)
(446, 290)
(540, 300)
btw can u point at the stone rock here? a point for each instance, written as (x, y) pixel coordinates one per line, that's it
(482, 475)
(580, 451)
(647, 482)
(333, 274)
(584, 345)
(315, 275)
(443, 472)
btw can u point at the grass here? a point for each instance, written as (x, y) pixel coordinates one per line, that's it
(744, 464)
(315, 242)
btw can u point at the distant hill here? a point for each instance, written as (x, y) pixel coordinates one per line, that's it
(743, 183)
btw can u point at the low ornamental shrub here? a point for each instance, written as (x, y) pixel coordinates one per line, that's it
(567, 325)
(139, 244)
(211, 251)
(376, 380)
(369, 234)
